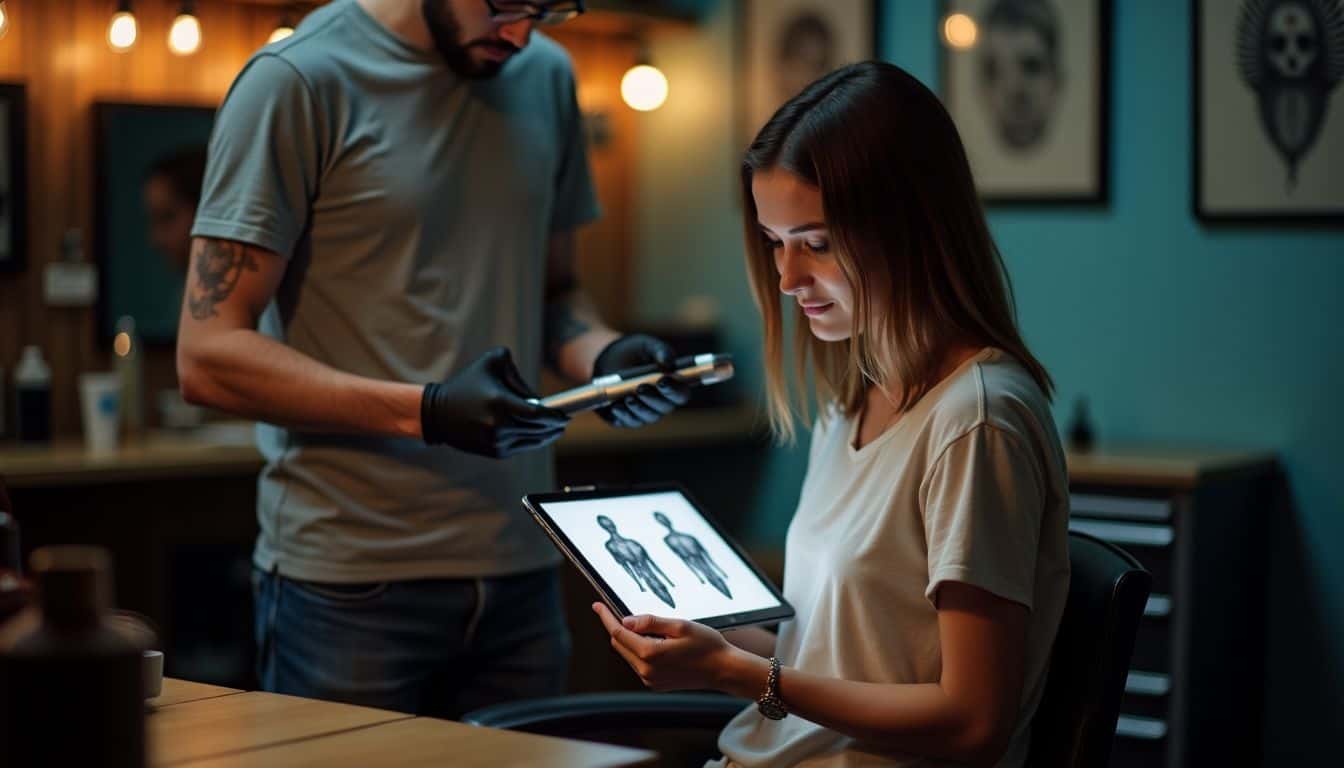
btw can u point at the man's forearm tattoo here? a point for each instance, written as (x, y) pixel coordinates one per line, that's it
(218, 265)
(563, 323)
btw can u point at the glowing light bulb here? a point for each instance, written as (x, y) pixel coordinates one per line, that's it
(4, 18)
(644, 88)
(960, 30)
(122, 31)
(121, 344)
(280, 33)
(184, 38)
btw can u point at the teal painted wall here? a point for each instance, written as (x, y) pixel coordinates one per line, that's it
(1177, 333)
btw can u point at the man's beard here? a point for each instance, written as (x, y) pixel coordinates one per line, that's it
(447, 33)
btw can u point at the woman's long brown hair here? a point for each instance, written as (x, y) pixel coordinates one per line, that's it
(909, 234)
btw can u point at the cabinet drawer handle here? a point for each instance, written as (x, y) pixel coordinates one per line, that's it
(1120, 533)
(1157, 605)
(1145, 728)
(1148, 684)
(1093, 505)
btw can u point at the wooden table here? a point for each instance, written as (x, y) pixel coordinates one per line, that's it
(205, 725)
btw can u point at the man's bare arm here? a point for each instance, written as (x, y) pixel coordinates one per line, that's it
(224, 363)
(575, 334)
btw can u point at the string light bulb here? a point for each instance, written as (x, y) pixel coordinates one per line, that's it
(960, 31)
(644, 86)
(285, 29)
(122, 30)
(4, 18)
(184, 37)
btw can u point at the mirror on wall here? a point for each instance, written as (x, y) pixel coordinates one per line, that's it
(13, 178)
(149, 160)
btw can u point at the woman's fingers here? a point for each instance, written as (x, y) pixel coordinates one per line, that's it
(620, 637)
(656, 625)
(641, 647)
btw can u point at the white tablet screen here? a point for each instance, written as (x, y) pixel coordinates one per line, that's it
(660, 556)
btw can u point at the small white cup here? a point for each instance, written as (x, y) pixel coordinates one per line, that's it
(100, 398)
(151, 668)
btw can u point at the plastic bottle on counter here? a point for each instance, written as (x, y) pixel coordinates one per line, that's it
(70, 684)
(130, 372)
(32, 393)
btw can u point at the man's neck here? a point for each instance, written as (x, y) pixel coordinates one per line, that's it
(402, 18)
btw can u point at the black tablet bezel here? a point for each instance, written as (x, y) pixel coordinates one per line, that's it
(535, 503)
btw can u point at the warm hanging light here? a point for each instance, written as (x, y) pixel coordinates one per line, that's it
(184, 38)
(4, 18)
(281, 32)
(960, 30)
(121, 344)
(122, 30)
(644, 86)
(286, 26)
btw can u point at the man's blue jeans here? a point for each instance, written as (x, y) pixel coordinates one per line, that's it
(438, 647)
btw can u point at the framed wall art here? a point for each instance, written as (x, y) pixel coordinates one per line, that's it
(1268, 118)
(787, 44)
(1028, 84)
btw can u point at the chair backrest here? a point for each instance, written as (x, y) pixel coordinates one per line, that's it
(683, 728)
(1075, 722)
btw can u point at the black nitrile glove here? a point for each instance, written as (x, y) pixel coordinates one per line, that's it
(649, 403)
(484, 410)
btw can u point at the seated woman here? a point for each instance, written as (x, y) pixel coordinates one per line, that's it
(928, 557)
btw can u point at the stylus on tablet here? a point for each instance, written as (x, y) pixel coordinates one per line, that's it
(700, 370)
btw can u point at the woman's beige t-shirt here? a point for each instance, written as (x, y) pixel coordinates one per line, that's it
(967, 486)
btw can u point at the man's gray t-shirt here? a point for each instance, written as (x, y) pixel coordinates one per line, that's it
(414, 208)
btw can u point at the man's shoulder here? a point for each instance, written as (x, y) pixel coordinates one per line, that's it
(545, 61)
(550, 54)
(312, 52)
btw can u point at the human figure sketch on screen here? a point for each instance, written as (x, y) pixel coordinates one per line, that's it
(1021, 76)
(693, 554)
(632, 556)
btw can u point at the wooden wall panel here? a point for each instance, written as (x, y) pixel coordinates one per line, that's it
(58, 49)
(601, 56)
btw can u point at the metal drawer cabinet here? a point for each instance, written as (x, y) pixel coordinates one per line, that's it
(1194, 523)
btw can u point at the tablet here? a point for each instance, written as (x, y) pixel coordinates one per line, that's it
(650, 549)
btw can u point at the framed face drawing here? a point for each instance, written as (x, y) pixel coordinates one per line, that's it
(1028, 84)
(788, 44)
(1268, 114)
(13, 178)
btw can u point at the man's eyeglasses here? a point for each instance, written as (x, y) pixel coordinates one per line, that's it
(507, 11)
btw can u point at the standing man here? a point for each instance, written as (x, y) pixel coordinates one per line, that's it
(391, 198)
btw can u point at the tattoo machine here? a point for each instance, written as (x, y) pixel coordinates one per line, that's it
(695, 370)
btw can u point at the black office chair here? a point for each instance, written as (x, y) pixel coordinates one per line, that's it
(1074, 724)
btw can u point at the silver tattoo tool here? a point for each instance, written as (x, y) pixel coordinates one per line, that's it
(696, 370)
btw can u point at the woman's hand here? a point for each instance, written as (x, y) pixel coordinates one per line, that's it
(684, 655)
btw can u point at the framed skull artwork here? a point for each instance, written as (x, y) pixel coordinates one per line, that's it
(1028, 84)
(1268, 111)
